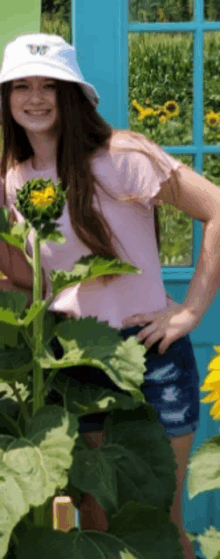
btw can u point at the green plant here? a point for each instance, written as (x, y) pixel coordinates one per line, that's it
(132, 475)
(54, 25)
(204, 464)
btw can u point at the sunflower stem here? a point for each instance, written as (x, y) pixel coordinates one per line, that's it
(38, 384)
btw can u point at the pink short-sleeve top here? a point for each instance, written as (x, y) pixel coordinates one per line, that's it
(122, 173)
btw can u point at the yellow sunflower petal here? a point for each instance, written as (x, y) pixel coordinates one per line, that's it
(214, 363)
(215, 410)
(211, 397)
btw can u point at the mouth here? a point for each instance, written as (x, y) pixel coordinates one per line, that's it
(38, 113)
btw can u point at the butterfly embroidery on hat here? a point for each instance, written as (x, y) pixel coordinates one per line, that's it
(38, 49)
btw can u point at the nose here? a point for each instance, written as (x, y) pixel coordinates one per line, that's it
(35, 95)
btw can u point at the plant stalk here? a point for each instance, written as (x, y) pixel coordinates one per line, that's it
(38, 384)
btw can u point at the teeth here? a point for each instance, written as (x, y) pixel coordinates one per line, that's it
(37, 112)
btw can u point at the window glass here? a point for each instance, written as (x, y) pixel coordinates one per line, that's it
(160, 10)
(161, 86)
(212, 87)
(176, 231)
(212, 168)
(161, 108)
(212, 10)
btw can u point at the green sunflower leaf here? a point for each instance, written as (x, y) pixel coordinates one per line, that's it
(128, 462)
(4, 220)
(89, 342)
(159, 540)
(13, 240)
(33, 467)
(89, 268)
(16, 362)
(49, 232)
(90, 397)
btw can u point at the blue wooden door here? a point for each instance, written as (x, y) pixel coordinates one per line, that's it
(100, 32)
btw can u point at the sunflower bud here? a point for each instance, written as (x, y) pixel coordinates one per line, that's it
(41, 201)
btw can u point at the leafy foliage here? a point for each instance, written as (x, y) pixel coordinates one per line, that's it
(153, 533)
(62, 8)
(32, 468)
(204, 476)
(88, 268)
(89, 342)
(128, 463)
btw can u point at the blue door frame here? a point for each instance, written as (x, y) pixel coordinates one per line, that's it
(100, 32)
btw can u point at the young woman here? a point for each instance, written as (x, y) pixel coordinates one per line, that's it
(116, 177)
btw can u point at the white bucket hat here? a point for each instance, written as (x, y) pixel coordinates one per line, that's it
(39, 54)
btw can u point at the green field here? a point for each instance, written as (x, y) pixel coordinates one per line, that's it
(161, 80)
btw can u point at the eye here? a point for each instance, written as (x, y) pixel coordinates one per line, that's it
(20, 86)
(51, 85)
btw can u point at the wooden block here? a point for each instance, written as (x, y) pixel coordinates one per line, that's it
(63, 514)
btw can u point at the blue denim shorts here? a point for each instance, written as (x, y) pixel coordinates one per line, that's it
(171, 384)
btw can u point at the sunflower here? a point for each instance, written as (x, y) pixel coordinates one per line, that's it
(137, 106)
(161, 14)
(212, 384)
(162, 114)
(172, 107)
(212, 119)
(43, 198)
(41, 201)
(146, 112)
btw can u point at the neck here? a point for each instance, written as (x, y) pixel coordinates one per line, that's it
(45, 150)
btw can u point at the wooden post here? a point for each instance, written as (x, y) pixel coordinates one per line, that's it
(63, 514)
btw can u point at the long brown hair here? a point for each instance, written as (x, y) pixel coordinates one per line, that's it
(83, 131)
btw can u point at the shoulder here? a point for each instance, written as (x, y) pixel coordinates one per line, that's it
(120, 165)
(141, 151)
(126, 152)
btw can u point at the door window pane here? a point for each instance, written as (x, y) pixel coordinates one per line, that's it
(212, 87)
(212, 10)
(176, 231)
(161, 86)
(212, 168)
(160, 10)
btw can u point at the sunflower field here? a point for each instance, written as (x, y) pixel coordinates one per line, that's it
(161, 108)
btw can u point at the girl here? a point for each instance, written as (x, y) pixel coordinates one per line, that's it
(52, 128)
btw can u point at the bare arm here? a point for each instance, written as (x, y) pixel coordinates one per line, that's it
(15, 267)
(200, 199)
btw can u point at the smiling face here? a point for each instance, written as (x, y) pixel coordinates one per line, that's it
(33, 103)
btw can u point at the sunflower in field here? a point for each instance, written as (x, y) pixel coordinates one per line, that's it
(212, 384)
(146, 112)
(137, 105)
(212, 119)
(142, 112)
(172, 107)
(162, 114)
(161, 14)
